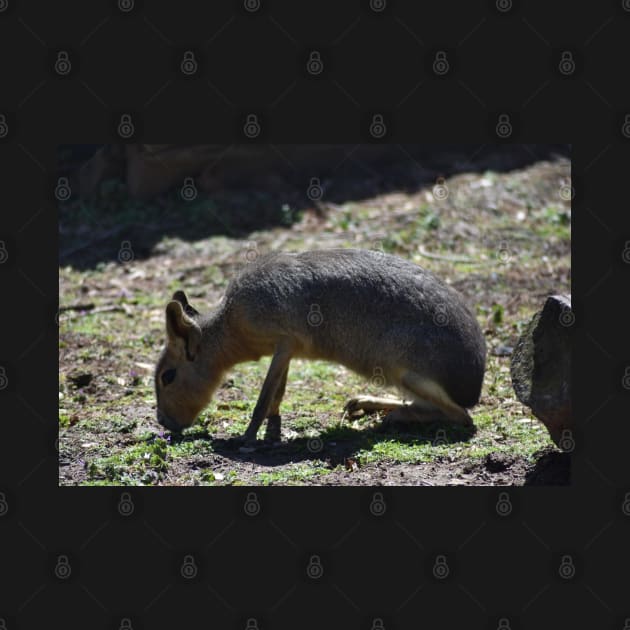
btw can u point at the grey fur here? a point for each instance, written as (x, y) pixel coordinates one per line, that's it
(377, 311)
(377, 314)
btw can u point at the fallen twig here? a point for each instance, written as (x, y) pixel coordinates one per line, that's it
(77, 307)
(101, 309)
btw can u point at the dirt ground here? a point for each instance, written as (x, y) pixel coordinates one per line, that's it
(501, 238)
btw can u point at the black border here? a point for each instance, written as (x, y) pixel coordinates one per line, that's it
(503, 61)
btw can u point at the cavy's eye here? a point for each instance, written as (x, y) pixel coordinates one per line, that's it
(168, 376)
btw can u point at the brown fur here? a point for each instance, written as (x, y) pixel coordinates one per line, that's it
(366, 310)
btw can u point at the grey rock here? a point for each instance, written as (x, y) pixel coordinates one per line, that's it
(541, 366)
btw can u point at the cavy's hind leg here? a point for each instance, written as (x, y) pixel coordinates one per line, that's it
(426, 390)
(373, 403)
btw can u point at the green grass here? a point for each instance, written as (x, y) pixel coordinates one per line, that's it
(316, 394)
(291, 476)
(138, 464)
(116, 412)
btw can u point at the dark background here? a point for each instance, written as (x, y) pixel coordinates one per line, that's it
(247, 186)
(254, 567)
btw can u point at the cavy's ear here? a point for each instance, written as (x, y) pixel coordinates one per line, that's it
(180, 296)
(183, 333)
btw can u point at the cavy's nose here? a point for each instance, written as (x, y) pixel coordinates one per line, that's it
(167, 423)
